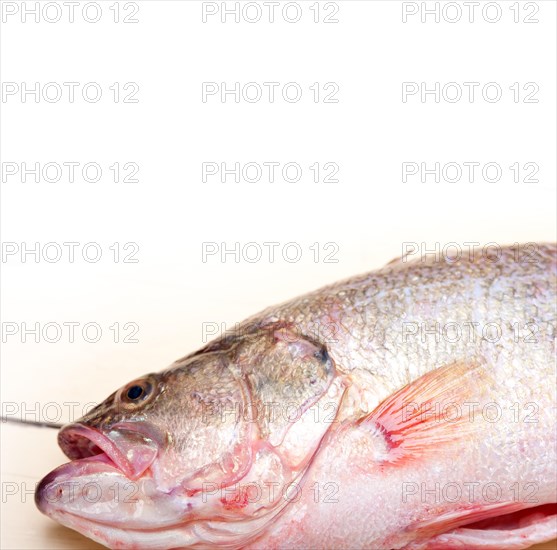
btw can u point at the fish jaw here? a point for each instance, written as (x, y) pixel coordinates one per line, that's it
(94, 498)
(108, 487)
(109, 478)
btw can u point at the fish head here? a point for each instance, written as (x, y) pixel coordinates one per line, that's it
(199, 454)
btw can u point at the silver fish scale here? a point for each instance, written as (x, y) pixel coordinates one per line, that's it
(490, 302)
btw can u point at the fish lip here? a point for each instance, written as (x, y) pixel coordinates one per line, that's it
(79, 441)
(41, 502)
(46, 501)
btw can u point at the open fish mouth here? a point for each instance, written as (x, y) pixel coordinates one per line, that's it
(132, 449)
(122, 455)
(96, 494)
(109, 480)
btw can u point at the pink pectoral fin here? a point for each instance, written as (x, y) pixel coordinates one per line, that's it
(513, 531)
(417, 418)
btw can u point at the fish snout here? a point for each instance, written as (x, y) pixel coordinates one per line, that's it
(41, 496)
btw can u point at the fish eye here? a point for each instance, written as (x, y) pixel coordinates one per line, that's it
(137, 392)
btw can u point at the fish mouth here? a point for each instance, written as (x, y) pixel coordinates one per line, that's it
(60, 487)
(130, 447)
(123, 456)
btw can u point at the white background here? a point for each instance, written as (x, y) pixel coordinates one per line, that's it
(170, 292)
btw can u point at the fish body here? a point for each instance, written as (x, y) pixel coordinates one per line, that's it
(412, 407)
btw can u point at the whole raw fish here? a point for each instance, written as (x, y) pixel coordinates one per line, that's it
(412, 407)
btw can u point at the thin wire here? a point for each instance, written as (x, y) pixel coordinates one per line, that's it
(15, 420)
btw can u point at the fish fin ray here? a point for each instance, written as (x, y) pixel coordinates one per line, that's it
(431, 410)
